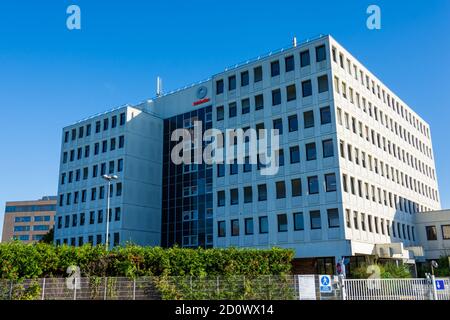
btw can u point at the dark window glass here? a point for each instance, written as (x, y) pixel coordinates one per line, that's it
(289, 63)
(296, 187)
(291, 93)
(299, 223)
(221, 229)
(322, 83)
(280, 189)
(262, 192)
(263, 225)
(249, 226)
(294, 153)
(431, 232)
(257, 74)
(330, 182)
(321, 54)
(316, 222)
(328, 150)
(275, 68)
(282, 223)
(220, 113)
(276, 97)
(232, 110)
(231, 83)
(219, 86)
(259, 102)
(325, 115)
(311, 153)
(313, 185)
(306, 88)
(278, 125)
(293, 123)
(304, 58)
(234, 228)
(245, 103)
(308, 119)
(244, 78)
(333, 218)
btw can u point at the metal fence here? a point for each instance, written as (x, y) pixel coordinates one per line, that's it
(290, 287)
(395, 289)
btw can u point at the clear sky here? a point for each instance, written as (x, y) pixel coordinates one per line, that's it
(51, 77)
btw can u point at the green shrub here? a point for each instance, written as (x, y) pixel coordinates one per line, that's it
(387, 271)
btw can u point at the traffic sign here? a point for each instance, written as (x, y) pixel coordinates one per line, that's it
(440, 285)
(325, 284)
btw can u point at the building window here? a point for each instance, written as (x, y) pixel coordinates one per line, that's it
(263, 225)
(294, 153)
(316, 222)
(321, 54)
(234, 168)
(280, 189)
(245, 103)
(117, 214)
(116, 239)
(296, 187)
(221, 198)
(121, 142)
(276, 97)
(278, 125)
(122, 119)
(234, 228)
(221, 229)
(322, 82)
(100, 216)
(311, 151)
(282, 223)
(118, 189)
(293, 123)
(291, 92)
(289, 63)
(231, 83)
(431, 233)
(105, 124)
(304, 58)
(445, 232)
(232, 110)
(248, 194)
(275, 68)
(259, 102)
(313, 185)
(220, 170)
(308, 119)
(330, 182)
(219, 86)
(220, 113)
(333, 218)
(244, 79)
(91, 217)
(327, 147)
(234, 196)
(306, 88)
(299, 223)
(82, 219)
(248, 226)
(325, 115)
(114, 121)
(280, 157)
(257, 74)
(262, 192)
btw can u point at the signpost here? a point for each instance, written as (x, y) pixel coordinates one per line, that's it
(325, 284)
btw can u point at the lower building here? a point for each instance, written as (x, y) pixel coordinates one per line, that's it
(433, 231)
(29, 221)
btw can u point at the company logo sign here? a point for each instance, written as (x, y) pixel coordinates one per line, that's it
(201, 94)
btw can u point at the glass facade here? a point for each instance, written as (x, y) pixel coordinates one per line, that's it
(187, 201)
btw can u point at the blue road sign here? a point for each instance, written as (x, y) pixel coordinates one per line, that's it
(440, 285)
(325, 284)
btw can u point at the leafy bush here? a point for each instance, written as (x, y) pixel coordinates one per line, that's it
(387, 271)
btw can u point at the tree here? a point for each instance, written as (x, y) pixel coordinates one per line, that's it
(48, 237)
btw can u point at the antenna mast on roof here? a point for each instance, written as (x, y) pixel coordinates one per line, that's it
(159, 87)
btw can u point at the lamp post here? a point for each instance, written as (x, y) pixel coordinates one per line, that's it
(108, 178)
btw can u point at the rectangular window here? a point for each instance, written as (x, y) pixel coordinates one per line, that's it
(259, 102)
(333, 218)
(294, 154)
(232, 110)
(248, 226)
(105, 124)
(121, 142)
(275, 68)
(263, 225)
(327, 148)
(244, 78)
(311, 153)
(321, 54)
(306, 88)
(122, 119)
(221, 198)
(280, 189)
(431, 233)
(313, 185)
(299, 223)
(234, 228)
(296, 187)
(278, 125)
(257, 74)
(322, 83)
(245, 104)
(316, 222)
(231, 83)
(262, 192)
(282, 223)
(276, 97)
(445, 232)
(248, 194)
(221, 229)
(304, 58)
(234, 196)
(219, 86)
(308, 119)
(325, 115)
(114, 121)
(291, 93)
(289, 63)
(293, 123)
(220, 113)
(330, 182)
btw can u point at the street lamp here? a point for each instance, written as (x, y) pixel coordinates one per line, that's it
(108, 178)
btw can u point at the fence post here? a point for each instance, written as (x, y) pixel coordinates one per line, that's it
(43, 289)
(75, 289)
(106, 288)
(433, 286)
(342, 285)
(11, 289)
(134, 289)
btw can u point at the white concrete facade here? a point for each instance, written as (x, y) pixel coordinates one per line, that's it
(433, 229)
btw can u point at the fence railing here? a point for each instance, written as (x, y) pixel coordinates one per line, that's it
(289, 287)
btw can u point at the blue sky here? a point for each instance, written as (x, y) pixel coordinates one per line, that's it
(51, 77)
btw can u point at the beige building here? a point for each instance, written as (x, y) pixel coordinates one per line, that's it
(28, 221)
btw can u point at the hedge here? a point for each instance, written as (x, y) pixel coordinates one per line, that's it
(29, 261)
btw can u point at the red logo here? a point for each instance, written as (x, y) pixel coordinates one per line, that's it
(196, 103)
